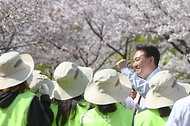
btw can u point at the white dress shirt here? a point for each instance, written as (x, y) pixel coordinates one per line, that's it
(180, 114)
(140, 85)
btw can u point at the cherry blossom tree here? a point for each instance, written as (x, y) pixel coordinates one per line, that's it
(96, 33)
(170, 20)
(18, 23)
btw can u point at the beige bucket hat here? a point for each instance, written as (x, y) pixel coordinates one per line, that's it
(70, 80)
(165, 90)
(15, 68)
(33, 82)
(36, 79)
(107, 86)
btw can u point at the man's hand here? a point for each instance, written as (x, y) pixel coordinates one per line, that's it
(121, 64)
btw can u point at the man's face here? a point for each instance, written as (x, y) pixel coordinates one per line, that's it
(141, 64)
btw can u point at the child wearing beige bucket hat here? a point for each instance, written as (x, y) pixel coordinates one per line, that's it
(36, 80)
(164, 92)
(18, 107)
(106, 91)
(42, 86)
(69, 85)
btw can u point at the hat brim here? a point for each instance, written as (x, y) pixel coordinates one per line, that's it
(77, 89)
(95, 96)
(19, 76)
(31, 80)
(154, 101)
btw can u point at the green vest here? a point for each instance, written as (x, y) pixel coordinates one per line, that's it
(150, 117)
(54, 108)
(79, 113)
(121, 117)
(16, 113)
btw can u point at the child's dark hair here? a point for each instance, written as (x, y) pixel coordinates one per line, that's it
(164, 111)
(105, 109)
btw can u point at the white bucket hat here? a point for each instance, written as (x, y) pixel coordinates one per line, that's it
(14, 68)
(165, 90)
(32, 81)
(35, 80)
(107, 86)
(70, 80)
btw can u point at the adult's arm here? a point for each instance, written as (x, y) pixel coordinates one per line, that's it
(140, 85)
